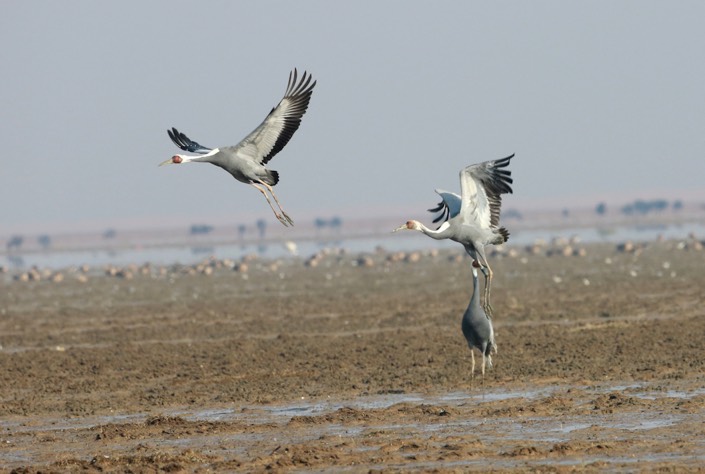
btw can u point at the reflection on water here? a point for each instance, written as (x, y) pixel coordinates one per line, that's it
(392, 242)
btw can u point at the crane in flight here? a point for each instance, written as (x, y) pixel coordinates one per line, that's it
(246, 161)
(472, 219)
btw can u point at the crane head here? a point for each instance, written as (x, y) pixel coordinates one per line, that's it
(483, 269)
(176, 159)
(410, 225)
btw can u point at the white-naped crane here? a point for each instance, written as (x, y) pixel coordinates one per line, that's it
(472, 219)
(246, 161)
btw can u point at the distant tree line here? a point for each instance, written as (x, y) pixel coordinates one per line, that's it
(645, 207)
(334, 223)
(201, 229)
(642, 207)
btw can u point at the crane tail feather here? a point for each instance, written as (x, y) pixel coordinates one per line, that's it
(273, 177)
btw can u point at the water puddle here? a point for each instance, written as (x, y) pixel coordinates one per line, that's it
(680, 394)
(261, 414)
(258, 429)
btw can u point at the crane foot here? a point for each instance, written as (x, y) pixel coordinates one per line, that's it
(282, 220)
(288, 219)
(488, 309)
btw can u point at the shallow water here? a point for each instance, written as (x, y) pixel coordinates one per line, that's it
(254, 426)
(186, 255)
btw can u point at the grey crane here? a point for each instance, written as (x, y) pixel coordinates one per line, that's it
(477, 327)
(472, 219)
(246, 161)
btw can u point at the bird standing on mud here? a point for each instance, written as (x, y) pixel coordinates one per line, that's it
(472, 219)
(477, 326)
(246, 161)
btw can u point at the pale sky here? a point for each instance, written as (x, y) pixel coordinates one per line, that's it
(599, 101)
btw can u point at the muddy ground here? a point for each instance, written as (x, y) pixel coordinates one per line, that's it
(345, 367)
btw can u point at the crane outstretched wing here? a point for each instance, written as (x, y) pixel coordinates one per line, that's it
(185, 143)
(449, 206)
(279, 126)
(482, 186)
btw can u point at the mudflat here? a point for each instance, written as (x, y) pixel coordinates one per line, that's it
(357, 365)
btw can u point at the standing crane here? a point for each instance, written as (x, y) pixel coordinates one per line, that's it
(477, 327)
(472, 219)
(246, 161)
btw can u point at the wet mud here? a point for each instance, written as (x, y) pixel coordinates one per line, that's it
(359, 365)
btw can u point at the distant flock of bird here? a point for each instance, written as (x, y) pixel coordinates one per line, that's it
(329, 257)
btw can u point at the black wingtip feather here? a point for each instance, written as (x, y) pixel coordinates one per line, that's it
(504, 233)
(444, 212)
(299, 93)
(185, 143)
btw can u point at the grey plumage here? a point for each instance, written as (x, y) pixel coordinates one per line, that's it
(472, 219)
(477, 328)
(246, 161)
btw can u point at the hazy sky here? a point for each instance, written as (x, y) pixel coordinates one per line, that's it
(599, 100)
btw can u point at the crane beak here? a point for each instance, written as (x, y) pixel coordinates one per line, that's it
(167, 162)
(401, 227)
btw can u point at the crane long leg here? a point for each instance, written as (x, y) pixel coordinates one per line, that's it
(487, 272)
(472, 367)
(488, 282)
(264, 193)
(286, 216)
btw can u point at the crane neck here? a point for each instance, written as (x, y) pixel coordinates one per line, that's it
(442, 233)
(204, 157)
(475, 288)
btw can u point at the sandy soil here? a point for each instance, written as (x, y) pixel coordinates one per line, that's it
(352, 368)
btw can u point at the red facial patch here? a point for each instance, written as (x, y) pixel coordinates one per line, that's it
(176, 159)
